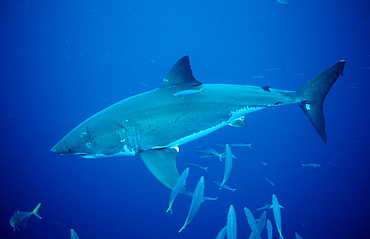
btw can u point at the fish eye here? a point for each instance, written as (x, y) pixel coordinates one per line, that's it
(70, 150)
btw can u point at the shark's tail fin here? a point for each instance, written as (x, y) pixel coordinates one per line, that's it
(312, 95)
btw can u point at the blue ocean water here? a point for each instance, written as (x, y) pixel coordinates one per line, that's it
(63, 61)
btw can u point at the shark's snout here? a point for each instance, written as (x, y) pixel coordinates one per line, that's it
(59, 148)
(55, 149)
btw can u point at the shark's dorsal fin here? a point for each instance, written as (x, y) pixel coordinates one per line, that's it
(180, 76)
(162, 164)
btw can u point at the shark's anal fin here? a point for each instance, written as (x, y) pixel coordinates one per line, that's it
(162, 164)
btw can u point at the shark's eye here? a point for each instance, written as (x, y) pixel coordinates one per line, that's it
(70, 150)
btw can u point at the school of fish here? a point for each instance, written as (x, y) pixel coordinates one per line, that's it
(20, 219)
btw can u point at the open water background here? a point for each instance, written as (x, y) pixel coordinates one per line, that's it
(62, 61)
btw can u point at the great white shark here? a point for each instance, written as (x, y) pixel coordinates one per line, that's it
(153, 124)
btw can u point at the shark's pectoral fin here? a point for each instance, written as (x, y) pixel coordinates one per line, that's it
(162, 164)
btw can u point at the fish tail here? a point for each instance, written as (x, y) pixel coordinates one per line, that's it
(35, 211)
(312, 94)
(220, 156)
(281, 235)
(221, 185)
(169, 209)
(183, 227)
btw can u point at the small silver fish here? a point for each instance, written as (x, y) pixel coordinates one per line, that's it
(269, 229)
(197, 166)
(195, 202)
(267, 206)
(231, 224)
(224, 186)
(228, 163)
(179, 186)
(252, 223)
(184, 93)
(74, 234)
(277, 214)
(270, 182)
(297, 236)
(205, 198)
(261, 223)
(20, 219)
(209, 151)
(222, 233)
(283, 2)
(240, 145)
(312, 165)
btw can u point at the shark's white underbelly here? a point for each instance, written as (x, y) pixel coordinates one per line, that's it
(193, 136)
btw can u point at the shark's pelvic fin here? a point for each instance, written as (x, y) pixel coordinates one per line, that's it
(313, 93)
(239, 122)
(162, 164)
(180, 76)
